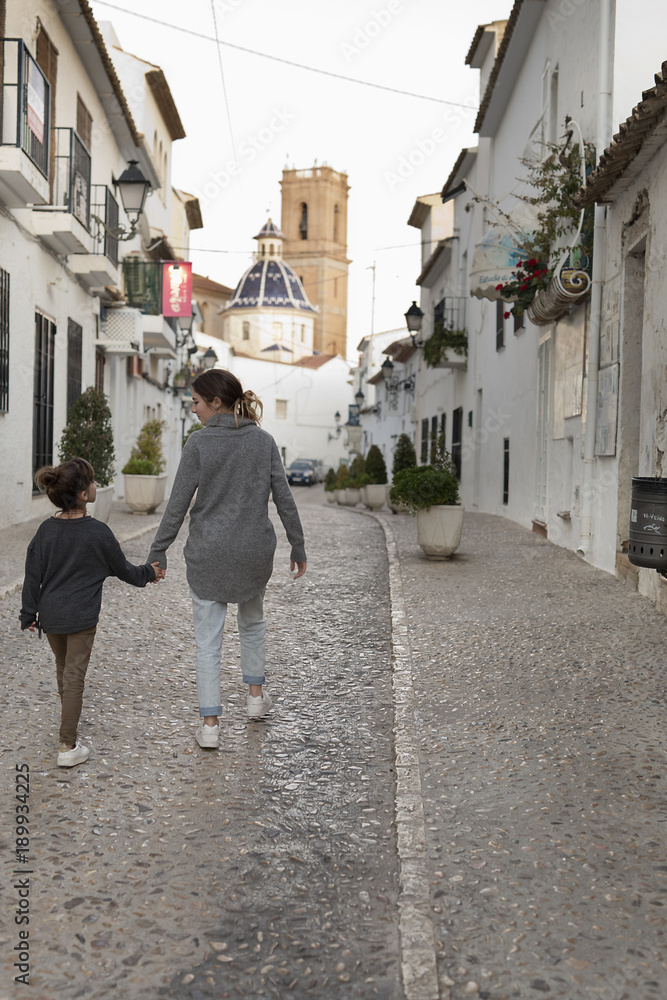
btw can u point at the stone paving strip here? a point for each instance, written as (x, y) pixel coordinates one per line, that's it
(266, 869)
(540, 692)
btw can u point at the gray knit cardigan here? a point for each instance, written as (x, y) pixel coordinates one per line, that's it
(231, 542)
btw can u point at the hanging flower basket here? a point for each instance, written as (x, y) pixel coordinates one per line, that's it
(570, 283)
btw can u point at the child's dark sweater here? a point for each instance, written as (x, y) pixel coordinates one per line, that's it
(65, 568)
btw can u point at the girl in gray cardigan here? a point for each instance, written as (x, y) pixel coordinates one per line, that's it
(233, 466)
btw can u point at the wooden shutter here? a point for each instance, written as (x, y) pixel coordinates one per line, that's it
(47, 60)
(84, 122)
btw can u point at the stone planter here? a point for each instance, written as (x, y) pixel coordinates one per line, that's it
(331, 496)
(101, 509)
(145, 493)
(339, 496)
(439, 530)
(374, 496)
(352, 497)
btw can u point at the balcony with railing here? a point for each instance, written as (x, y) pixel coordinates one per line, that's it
(447, 346)
(64, 225)
(25, 100)
(98, 269)
(143, 291)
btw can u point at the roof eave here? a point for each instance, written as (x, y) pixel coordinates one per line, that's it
(519, 32)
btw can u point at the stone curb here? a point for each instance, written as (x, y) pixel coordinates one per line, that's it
(418, 944)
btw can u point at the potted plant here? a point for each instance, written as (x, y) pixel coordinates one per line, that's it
(356, 481)
(182, 378)
(374, 494)
(446, 348)
(342, 478)
(88, 434)
(145, 478)
(405, 457)
(330, 486)
(432, 493)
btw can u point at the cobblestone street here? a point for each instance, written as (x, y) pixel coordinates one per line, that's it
(484, 819)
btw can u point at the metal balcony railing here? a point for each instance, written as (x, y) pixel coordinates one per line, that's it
(25, 103)
(105, 207)
(71, 183)
(450, 313)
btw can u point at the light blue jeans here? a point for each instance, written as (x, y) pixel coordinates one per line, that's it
(209, 619)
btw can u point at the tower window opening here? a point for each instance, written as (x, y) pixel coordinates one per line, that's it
(335, 224)
(303, 224)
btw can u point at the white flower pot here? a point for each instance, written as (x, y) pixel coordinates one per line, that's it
(352, 497)
(102, 506)
(145, 493)
(439, 530)
(331, 496)
(340, 496)
(374, 496)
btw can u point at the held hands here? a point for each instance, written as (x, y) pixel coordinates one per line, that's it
(159, 573)
(300, 567)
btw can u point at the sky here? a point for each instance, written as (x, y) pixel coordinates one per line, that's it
(248, 117)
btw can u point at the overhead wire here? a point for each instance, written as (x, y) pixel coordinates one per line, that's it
(279, 59)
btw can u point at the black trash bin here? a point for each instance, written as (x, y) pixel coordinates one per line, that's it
(648, 523)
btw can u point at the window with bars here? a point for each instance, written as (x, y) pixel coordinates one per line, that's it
(74, 343)
(457, 435)
(443, 428)
(434, 437)
(424, 442)
(42, 411)
(506, 470)
(4, 341)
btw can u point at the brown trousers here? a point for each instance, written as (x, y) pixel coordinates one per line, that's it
(72, 653)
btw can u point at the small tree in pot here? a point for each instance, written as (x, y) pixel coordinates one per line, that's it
(88, 434)
(145, 478)
(356, 481)
(330, 486)
(405, 457)
(432, 493)
(374, 494)
(342, 479)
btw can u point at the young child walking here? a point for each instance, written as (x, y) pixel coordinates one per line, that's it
(67, 563)
(233, 466)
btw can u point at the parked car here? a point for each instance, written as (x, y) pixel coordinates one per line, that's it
(317, 473)
(301, 472)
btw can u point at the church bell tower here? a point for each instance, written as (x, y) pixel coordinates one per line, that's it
(314, 221)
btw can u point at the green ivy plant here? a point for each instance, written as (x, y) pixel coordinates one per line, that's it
(555, 181)
(443, 339)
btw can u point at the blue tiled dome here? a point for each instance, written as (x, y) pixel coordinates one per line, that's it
(272, 283)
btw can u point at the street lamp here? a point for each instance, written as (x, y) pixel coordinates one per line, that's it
(210, 359)
(387, 368)
(413, 318)
(132, 188)
(359, 398)
(336, 434)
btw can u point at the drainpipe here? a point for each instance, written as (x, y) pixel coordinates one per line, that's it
(603, 137)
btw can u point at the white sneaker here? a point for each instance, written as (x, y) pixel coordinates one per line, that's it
(208, 736)
(258, 707)
(77, 755)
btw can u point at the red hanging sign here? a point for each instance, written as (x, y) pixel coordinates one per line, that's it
(176, 288)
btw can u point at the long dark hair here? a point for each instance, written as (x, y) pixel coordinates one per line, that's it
(63, 483)
(221, 383)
